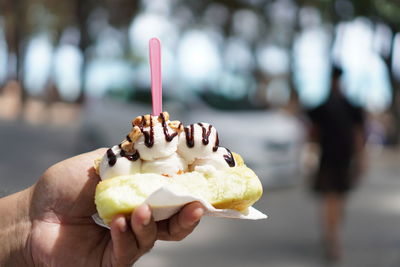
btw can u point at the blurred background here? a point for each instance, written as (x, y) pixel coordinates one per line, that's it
(74, 73)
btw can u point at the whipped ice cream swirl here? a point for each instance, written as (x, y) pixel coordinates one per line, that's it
(158, 145)
(117, 162)
(198, 141)
(158, 139)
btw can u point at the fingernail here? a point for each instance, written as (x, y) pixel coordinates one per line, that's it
(198, 213)
(146, 221)
(123, 226)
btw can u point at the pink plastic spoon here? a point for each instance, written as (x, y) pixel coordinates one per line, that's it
(155, 70)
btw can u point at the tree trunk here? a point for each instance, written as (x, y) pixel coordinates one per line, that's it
(394, 136)
(15, 25)
(83, 8)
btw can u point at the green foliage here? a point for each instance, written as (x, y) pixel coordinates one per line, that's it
(223, 102)
(389, 12)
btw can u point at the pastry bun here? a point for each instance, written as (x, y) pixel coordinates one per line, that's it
(231, 188)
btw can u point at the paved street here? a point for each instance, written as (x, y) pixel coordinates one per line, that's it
(289, 237)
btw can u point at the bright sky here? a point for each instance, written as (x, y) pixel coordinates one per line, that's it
(38, 64)
(312, 65)
(195, 67)
(68, 79)
(365, 79)
(366, 76)
(3, 55)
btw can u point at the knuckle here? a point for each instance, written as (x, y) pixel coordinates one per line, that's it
(175, 231)
(147, 247)
(179, 236)
(148, 242)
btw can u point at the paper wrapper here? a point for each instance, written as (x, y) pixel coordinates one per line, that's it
(164, 203)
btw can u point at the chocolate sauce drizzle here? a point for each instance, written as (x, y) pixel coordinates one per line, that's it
(132, 157)
(112, 158)
(205, 134)
(168, 137)
(229, 158)
(189, 135)
(149, 141)
(215, 148)
(148, 135)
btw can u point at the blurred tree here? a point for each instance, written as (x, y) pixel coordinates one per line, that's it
(25, 18)
(120, 14)
(79, 14)
(22, 21)
(332, 13)
(386, 12)
(14, 17)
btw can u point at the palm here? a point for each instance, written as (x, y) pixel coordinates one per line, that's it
(63, 231)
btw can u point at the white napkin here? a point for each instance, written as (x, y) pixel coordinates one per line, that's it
(164, 203)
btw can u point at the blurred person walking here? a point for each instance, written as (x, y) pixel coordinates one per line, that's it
(338, 129)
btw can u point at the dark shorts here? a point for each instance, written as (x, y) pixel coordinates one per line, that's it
(333, 178)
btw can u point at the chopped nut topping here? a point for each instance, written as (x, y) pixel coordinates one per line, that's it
(97, 165)
(166, 116)
(135, 134)
(147, 119)
(176, 125)
(138, 121)
(127, 146)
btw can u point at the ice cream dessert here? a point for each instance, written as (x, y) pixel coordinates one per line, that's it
(185, 159)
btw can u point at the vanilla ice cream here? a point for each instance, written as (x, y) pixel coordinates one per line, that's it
(197, 141)
(219, 160)
(158, 145)
(168, 166)
(158, 139)
(116, 162)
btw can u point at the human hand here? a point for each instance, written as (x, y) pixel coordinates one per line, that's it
(359, 167)
(62, 232)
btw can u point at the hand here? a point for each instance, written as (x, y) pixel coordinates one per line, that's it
(359, 167)
(62, 232)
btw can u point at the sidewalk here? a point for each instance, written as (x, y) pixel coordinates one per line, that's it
(289, 237)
